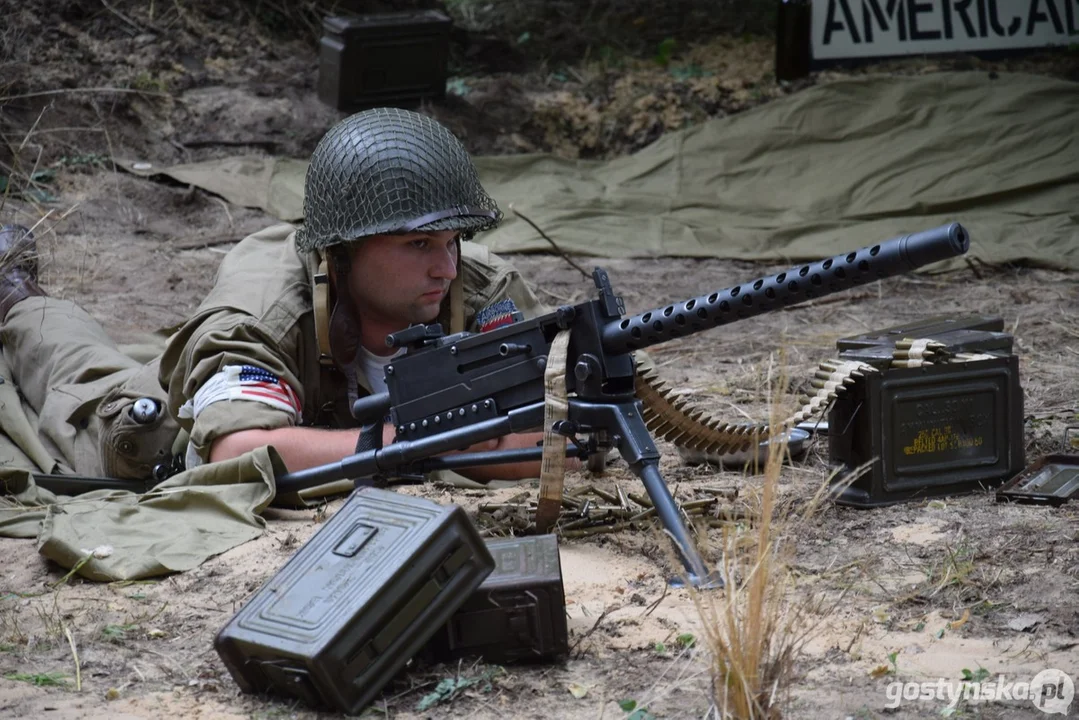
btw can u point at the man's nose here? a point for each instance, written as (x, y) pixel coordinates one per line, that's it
(445, 264)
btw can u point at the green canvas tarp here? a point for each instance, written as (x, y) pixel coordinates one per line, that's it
(834, 167)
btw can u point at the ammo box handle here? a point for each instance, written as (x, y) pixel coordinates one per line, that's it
(486, 627)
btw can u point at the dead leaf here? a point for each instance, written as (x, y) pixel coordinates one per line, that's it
(577, 690)
(955, 625)
(879, 671)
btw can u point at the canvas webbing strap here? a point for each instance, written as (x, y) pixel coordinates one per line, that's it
(457, 305)
(553, 460)
(321, 302)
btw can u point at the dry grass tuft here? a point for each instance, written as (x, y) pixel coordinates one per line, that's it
(756, 627)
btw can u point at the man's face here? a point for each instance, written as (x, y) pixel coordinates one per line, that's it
(399, 280)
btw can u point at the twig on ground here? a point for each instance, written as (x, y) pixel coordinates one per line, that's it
(544, 235)
(595, 626)
(555, 295)
(66, 91)
(185, 673)
(840, 298)
(652, 608)
(74, 569)
(32, 127)
(44, 131)
(225, 207)
(75, 655)
(974, 269)
(857, 634)
(125, 18)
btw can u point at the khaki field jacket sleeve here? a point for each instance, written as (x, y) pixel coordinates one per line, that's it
(251, 317)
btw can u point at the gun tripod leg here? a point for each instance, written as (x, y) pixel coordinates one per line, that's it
(673, 523)
(624, 423)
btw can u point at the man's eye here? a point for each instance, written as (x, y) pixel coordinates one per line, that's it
(420, 244)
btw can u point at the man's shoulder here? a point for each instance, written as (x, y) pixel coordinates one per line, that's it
(263, 271)
(480, 259)
(270, 239)
(274, 233)
(272, 249)
(474, 252)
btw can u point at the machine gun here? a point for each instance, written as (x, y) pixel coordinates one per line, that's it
(448, 392)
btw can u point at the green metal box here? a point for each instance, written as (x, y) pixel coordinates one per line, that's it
(356, 601)
(939, 429)
(383, 60)
(518, 614)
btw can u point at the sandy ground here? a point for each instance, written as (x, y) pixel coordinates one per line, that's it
(922, 590)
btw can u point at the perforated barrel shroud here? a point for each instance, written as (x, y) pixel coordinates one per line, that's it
(518, 614)
(359, 599)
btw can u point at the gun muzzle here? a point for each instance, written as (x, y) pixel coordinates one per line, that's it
(930, 246)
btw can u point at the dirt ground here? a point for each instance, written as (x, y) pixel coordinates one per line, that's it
(930, 589)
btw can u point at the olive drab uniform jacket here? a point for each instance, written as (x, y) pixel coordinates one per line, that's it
(249, 357)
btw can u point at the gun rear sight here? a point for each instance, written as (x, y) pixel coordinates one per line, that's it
(415, 336)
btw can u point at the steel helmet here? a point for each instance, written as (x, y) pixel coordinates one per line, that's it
(389, 170)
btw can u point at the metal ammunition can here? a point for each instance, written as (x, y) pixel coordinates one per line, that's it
(518, 614)
(356, 601)
(383, 60)
(938, 429)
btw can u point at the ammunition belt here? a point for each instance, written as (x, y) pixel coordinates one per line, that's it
(688, 426)
(680, 421)
(917, 352)
(830, 379)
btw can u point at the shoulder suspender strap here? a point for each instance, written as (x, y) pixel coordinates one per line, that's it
(320, 297)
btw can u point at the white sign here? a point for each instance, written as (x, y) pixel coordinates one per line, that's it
(884, 28)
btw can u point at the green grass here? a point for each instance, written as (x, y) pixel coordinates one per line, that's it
(50, 679)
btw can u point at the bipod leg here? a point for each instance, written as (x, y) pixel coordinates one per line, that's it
(627, 429)
(673, 522)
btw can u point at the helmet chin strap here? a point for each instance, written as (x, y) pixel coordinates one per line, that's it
(344, 326)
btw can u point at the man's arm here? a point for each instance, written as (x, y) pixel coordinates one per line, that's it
(301, 448)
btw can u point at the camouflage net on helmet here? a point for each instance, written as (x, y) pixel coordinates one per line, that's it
(391, 171)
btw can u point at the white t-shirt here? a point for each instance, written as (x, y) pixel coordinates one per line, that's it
(374, 367)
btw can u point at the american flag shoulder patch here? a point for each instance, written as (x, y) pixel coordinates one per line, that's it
(244, 382)
(262, 385)
(496, 315)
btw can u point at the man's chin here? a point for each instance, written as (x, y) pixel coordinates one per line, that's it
(427, 313)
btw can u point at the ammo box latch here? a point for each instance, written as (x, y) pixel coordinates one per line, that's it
(294, 680)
